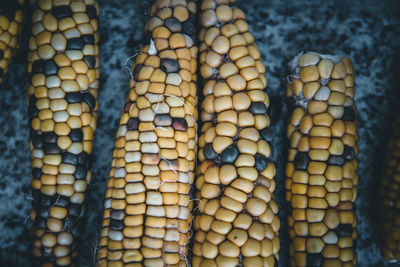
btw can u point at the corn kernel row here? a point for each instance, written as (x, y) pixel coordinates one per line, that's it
(236, 220)
(63, 67)
(148, 207)
(11, 22)
(321, 169)
(389, 219)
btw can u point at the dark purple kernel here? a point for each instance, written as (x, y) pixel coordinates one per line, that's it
(37, 141)
(80, 172)
(75, 43)
(349, 114)
(336, 160)
(84, 158)
(179, 124)
(76, 135)
(209, 152)
(43, 211)
(133, 124)
(69, 158)
(162, 120)
(37, 66)
(266, 134)
(50, 68)
(36, 173)
(91, 11)
(49, 137)
(173, 24)
(88, 38)
(117, 214)
(136, 71)
(301, 161)
(47, 252)
(116, 224)
(189, 27)
(230, 154)
(261, 162)
(89, 99)
(169, 65)
(73, 97)
(61, 200)
(344, 230)
(33, 111)
(258, 108)
(127, 106)
(314, 260)
(51, 148)
(90, 61)
(146, 38)
(60, 12)
(348, 152)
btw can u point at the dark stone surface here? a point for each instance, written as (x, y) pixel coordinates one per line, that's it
(368, 31)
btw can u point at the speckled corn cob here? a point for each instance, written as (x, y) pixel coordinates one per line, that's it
(389, 234)
(236, 222)
(63, 67)
(321, 169)
(148, 207)
(11, 19)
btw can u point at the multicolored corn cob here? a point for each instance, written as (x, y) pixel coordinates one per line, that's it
(63, 65)
(389, 234)
(322, 166)
(148, 207)
(236, 221)
(11, 19)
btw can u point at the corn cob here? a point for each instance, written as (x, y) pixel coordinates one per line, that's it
(147, 213)
(389, 235)
(11, 20)
(321, 169)
(236, 222)
(63, 65)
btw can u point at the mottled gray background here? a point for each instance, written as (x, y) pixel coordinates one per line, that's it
(367, 31)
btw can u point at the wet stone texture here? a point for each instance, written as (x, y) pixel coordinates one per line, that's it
(367, 31)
